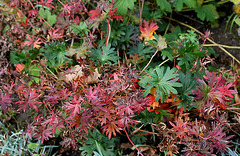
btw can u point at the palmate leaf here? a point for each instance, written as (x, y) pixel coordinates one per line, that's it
(103, 55)
(164, 79)
(185, 92)
(124, 5)
(178, 4)
(207, 12)
(103, 143)
(142, 50)
(52, 19)
(56, 54)
(164, 5)
(188, 55)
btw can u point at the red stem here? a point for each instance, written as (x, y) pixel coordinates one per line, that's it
(132, 142)
(40, 15)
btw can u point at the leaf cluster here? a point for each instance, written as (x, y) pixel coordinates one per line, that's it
(103, 55)
(164, 79)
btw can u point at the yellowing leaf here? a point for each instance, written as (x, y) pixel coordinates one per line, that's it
(236, 2)
(148, 30)
(161, 43)
(236, 9)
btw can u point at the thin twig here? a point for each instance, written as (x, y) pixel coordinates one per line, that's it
(149, 62)
(138, 129)
(221, 45)
(163, 62)
(140, 10)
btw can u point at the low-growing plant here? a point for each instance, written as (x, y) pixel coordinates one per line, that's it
(87, 73)
(19, 143)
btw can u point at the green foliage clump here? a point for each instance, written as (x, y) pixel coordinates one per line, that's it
(98, 143)
(103, 55)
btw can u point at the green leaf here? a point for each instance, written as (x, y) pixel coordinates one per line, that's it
(5, 29)
(159, 42)
(164, 5)
(140, 139)
(189, 54)
(42, 13)
(144, 52)
(16, 57)
(166, 53)
(57, 132)
(34, 72)
(178, 4)
(81, 28)
(185, 92)
(123, 6)
(207, 12)
(52, 19)
(190, 3)
(33, 146)
(174, 35)
(103, 55)
(237, 21)
(56, 54)
(163, 79)
(98, 142)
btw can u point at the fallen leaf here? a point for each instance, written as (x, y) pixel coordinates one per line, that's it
(77, 72)
(126, 145)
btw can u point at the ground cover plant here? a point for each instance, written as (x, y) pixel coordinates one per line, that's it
(115, 78)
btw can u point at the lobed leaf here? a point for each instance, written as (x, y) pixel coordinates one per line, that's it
(164, 79)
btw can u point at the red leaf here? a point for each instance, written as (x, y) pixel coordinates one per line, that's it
(43, 133)
(36, 44)
(29, 98)
(111, 128)
(47, 3)
(55, 34)
(75, 106)
(95, 14)
(5, 101)
(25, 23)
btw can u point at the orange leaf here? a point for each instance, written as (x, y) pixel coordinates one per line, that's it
(148, 30)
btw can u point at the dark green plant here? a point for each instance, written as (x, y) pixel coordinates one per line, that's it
(142, 52)
(206, 10)
(186, 50)
(122, 35)
(98, 142)
(164, 79)
(103, 55)
(185, 92)
(56, 54)
(24, 57)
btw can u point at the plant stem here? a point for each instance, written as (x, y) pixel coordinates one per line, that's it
(132, 142)
(163, 62)
(149, 62)
(221, 45)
